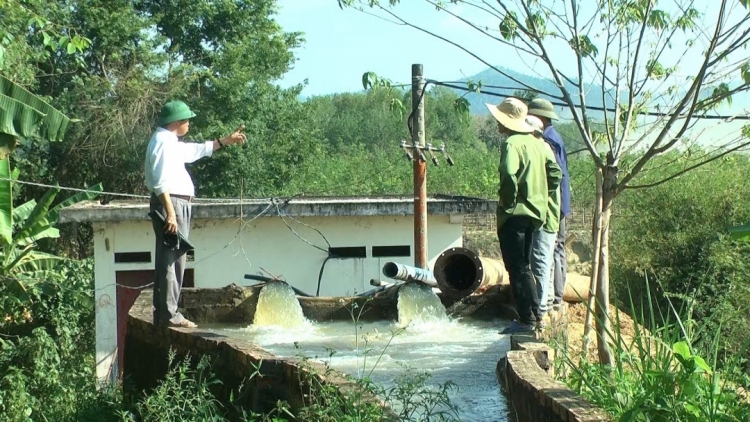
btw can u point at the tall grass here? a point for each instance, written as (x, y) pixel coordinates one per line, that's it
(667, 374)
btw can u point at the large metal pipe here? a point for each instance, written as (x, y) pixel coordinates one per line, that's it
(459, 272)
(408, 273)
(388, 285)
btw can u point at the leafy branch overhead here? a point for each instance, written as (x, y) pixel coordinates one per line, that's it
(372, 81)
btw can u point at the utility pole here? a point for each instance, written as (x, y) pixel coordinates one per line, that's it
(420, 166)
(415, 152)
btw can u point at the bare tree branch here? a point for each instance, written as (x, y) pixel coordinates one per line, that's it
(471, 24)
(691, 95)
(680, 173)
(582, 125)
(466, 50)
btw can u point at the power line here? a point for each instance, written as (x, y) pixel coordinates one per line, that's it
(71, 189)
(128, 195)
(595, 108)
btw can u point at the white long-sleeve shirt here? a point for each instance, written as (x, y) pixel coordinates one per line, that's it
(166, 157)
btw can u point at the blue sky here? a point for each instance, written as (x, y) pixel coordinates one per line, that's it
(343, 44)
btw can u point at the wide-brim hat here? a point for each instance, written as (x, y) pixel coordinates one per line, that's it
(511, 113)
(542, 107)
(174, 111)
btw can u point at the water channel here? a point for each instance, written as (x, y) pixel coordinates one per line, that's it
(424, 339)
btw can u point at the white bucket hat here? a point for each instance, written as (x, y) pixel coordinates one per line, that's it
(511, 113)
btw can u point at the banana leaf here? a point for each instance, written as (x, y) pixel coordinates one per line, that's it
(18, 119)
(22, 212)
(39, 232)
(38, 217)
(6, 203)
(27, 260)
(54, 212)
(53, 124)
(40, 261)
(740, 233)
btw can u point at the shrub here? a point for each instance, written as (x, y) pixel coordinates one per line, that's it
(675, 234)
(662, 376)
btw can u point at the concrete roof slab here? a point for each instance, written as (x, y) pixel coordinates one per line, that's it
(94, 211)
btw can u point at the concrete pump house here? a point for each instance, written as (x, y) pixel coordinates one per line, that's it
(289, 239)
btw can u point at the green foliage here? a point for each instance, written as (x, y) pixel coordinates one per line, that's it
(42, 38)
(661, 376)
(676, 233)
(183, 395)
(46, 348)
(24, 270)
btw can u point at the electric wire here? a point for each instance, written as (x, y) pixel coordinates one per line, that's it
(454, 85)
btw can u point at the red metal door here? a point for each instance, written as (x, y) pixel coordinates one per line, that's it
(129, 287)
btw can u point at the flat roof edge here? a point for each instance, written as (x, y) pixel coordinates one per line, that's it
(92, 211)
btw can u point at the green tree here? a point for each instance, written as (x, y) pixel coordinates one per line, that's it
(221, 57)
(636, 59)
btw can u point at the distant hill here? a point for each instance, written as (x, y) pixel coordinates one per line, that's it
(740, 103)
(491, 77)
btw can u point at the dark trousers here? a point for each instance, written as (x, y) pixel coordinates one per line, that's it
(515, 245)
(169, 265)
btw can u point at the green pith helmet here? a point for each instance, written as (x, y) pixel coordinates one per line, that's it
(542, 107)
(174, 111)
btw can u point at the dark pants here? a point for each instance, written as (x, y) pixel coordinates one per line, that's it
(561, 263)
(515, 244)
(169, 265)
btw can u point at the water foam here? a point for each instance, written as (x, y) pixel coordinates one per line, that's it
(278, 307)
(419, 307)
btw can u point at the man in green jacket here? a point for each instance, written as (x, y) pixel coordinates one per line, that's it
(528, 176)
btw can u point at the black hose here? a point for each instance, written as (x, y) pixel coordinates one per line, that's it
(320, 275)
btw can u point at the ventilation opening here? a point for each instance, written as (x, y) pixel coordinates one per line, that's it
(391, 251)
(188, 280)
(190, 255)
(132, 257)
(349, 252)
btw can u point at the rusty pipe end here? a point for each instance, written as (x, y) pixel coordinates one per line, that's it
(459, 272)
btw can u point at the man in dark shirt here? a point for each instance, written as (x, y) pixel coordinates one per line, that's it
(545, 111)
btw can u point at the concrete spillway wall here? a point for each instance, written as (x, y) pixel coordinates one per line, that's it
(525, 371)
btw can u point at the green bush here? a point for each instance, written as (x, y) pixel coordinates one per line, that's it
(676, 233)
(666, 375)
(46, 349)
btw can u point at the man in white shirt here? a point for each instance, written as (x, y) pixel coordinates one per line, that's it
(172, 192)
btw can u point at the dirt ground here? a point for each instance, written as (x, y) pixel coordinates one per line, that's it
(576, 320)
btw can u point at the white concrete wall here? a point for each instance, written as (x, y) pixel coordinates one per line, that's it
(105, 304)
(224, 254)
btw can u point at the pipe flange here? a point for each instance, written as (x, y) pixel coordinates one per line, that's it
(458, 271)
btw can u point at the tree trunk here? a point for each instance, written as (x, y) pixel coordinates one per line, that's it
(602, 292)
(596, 237)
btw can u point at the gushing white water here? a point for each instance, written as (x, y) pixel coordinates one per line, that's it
(418, 304)
(278, 306)
(464, 352)
(424, 339)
